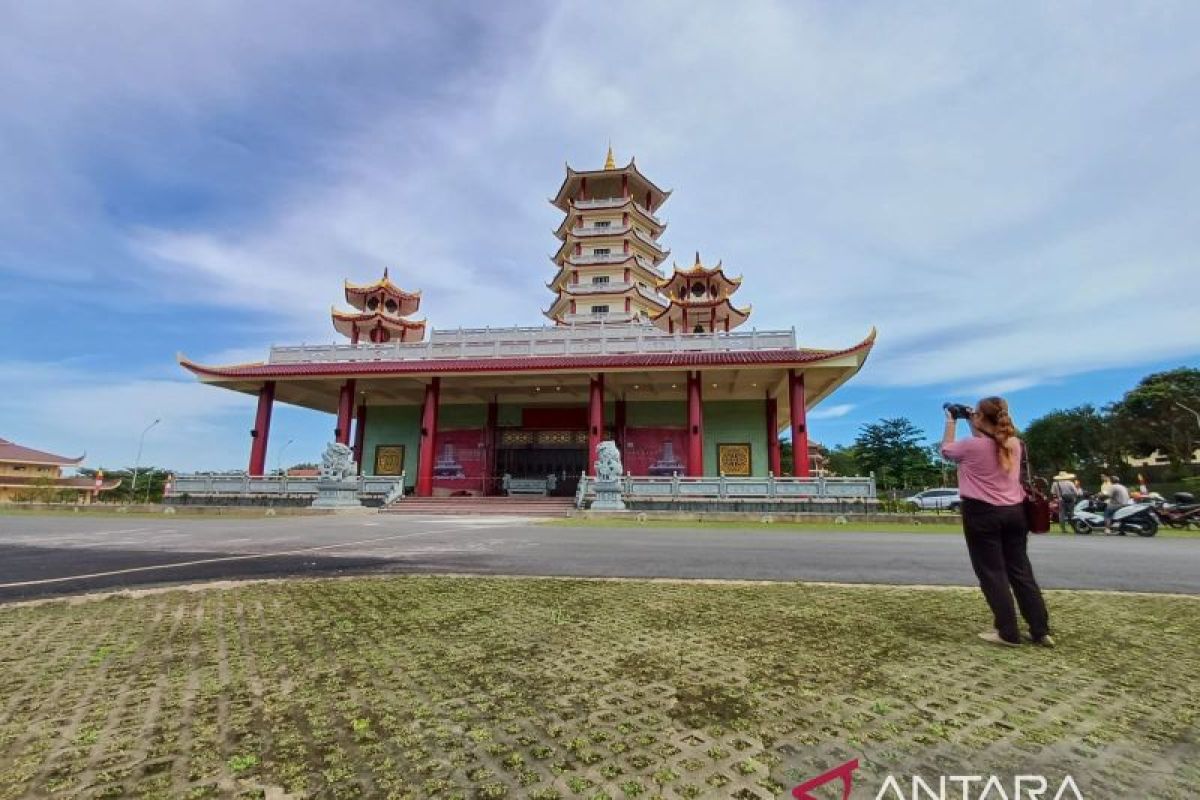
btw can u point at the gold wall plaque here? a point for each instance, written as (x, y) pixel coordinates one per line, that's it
(733, 460)
(389, 459)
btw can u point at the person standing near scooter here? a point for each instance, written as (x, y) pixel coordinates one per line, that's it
(994, 522)
(1064, 490)
(1118, 497)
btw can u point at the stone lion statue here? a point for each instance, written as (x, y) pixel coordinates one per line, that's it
(337, 463)
(608, 461)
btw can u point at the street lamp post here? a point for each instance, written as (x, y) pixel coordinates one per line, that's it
(137, 464)
(279, 456)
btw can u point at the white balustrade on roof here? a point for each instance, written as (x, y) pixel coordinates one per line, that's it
(595, 338)
(614, 202)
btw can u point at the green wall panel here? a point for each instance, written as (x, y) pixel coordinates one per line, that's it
(393, 425)
(735, 422)
(460, 417)
(656, 413)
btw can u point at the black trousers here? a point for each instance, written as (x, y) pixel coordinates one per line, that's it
(997, 539)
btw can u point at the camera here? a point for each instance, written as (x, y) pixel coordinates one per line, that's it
(958, 410)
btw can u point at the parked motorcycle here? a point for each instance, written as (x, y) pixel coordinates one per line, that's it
(1182, 512)
(1139, 518)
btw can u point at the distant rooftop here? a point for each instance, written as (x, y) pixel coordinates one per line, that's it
(18, 454)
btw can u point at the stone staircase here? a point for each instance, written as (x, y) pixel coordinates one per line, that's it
(528, 506)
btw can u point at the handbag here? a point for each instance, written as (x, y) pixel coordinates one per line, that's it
(1035, 504)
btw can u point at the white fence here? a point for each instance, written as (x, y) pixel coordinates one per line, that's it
(720, 488)
(241, 485)
(596, 339)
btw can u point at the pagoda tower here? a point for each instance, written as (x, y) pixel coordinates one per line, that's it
(608, 262)
(380, 315)
(699, 300)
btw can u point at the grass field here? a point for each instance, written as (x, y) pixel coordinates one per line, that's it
(485, 688)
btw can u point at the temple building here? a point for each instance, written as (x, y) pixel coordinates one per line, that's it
(28, 474)
(661, 363)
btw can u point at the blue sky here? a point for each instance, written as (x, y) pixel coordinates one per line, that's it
(1009, 193)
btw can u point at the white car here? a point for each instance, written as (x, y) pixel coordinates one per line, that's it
(936, 499)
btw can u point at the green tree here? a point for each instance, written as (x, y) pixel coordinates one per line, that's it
(894, 449)
(843, 460)
(150, 484)
(1082, 440)
(1152, 417)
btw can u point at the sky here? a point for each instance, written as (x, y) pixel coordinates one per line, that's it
(1009, 192)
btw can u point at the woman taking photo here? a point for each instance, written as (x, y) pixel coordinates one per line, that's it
(989, 482)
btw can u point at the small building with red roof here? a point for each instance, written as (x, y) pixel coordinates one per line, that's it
(26, 473)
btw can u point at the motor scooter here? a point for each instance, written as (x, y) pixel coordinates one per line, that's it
(1183, 512)
(1138, 518)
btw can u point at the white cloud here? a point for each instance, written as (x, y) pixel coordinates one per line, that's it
(65, 409)
(832, 412)
(1007, 192)
(1003, 194)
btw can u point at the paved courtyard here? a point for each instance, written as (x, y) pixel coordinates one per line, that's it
(476, 687)
(41, 555)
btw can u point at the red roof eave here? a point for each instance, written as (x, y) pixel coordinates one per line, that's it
(530, 364)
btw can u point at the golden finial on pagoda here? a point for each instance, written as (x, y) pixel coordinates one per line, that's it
(609, 161)
(697, 264)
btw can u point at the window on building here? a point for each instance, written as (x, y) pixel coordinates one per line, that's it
(599, 309)
(601, 251)
(599, 279)
(603, 223)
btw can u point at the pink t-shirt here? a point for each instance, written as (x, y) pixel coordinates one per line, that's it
(980, 475)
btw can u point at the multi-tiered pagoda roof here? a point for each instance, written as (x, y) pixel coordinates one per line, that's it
(609, 256)
(381, 313)
(699, 300)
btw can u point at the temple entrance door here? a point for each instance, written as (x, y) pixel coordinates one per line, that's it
(537, 454)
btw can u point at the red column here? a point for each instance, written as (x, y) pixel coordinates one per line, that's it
(595, 420)
(354, 335)
(262, 429)
(695, 463)
(625, 185)
(583, 195)
(425, 456)
(360, 436)
(489, 444)
(773, 458)
(620, 424)
(341, 433)
(799, 424)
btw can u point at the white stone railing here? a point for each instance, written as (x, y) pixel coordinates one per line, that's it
(612, 258)
(595, 338)
(239, 484)
(614, 202)
(648, 239)
(603, 258)
(819, 491)
(601, 230)
(609, 287)
(601, 318)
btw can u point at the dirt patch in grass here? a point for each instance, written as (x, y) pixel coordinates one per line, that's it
(454, 687)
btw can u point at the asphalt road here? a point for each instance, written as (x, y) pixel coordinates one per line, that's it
(45, 555)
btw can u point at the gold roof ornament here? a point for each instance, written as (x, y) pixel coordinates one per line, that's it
(609, 161)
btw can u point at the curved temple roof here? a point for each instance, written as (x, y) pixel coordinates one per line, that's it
(356, 294)
(18, 454)
(576, 363)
